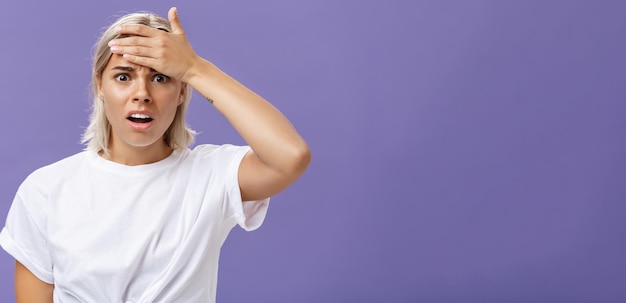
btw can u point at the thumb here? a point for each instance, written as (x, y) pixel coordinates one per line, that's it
(172, 15)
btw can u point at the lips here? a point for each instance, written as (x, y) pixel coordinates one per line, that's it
(139, 118)
(140, 121)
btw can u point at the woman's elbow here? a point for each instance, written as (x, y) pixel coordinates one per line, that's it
(299, 160)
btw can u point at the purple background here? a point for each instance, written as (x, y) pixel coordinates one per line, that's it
(463, 151)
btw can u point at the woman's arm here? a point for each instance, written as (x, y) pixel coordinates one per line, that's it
(279, 155)
(29, 289)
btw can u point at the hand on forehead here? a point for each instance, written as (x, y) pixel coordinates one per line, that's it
(168, 52)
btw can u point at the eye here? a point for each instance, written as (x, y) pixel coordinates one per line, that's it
(121, 77)
(160, 78)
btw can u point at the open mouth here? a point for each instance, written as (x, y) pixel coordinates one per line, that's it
(139, 118)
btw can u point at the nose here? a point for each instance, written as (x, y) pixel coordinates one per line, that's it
(141, 93)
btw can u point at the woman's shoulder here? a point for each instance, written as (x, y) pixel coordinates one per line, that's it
(56, 170)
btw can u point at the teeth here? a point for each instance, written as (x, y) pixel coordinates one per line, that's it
(139, 116)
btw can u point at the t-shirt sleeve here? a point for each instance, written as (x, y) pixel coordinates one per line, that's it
(24, 236)
(248, 215)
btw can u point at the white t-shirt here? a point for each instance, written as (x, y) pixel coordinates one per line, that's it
(105, 232)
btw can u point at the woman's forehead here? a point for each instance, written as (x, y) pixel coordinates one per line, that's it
(118, 60)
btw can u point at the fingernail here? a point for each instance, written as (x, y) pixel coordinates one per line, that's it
(112, 42)
(114, 49)
(118, 29)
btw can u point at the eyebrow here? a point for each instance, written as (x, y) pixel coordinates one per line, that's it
(130, 69)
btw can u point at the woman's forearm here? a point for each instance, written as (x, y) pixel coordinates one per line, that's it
(29, 289)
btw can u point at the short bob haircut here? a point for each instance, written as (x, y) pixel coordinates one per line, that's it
(97, 135)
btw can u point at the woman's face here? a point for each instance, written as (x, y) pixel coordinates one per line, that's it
(140, 104)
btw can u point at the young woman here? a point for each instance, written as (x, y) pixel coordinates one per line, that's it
(138, 216)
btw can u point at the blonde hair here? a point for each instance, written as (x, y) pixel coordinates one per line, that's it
(97, 134)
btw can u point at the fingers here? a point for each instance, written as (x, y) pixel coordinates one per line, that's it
(143, 61)
(132, 41)
(136, 50)
(137, 30)
(135, 47)
(139, 50)
(172, 16)
(147, 31)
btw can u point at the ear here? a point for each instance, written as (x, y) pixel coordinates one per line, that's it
(183, 89)
(99, 86)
